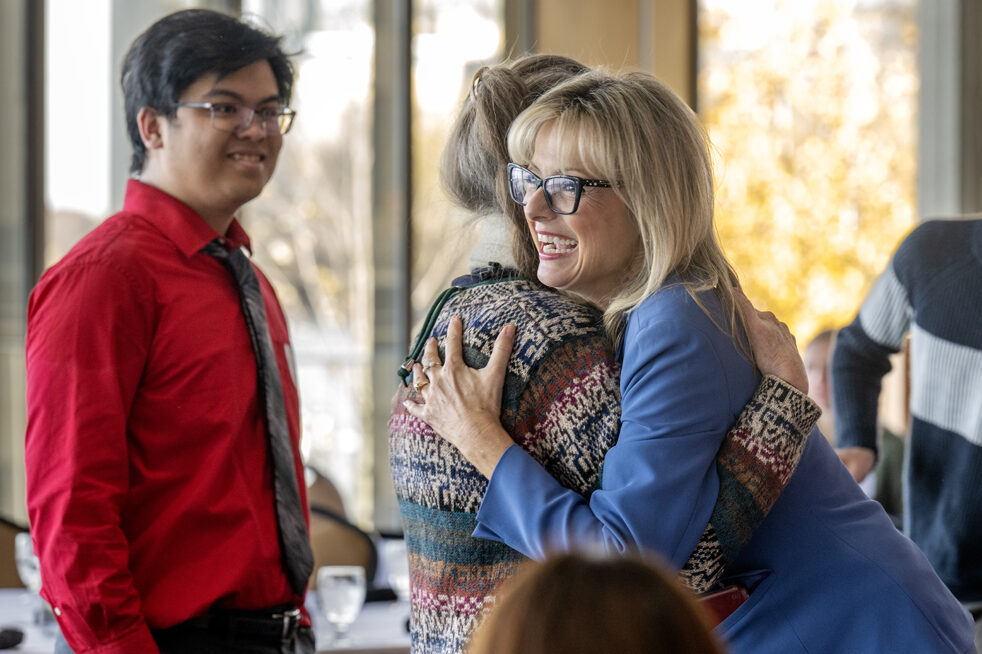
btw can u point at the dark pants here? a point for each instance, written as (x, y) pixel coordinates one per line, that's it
(188, 641)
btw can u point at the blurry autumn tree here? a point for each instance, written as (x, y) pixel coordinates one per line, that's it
(811, 106)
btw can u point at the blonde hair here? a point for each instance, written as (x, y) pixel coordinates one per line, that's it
(575, 603)
(633, 130)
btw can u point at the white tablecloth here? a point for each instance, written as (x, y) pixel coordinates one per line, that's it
(16, 612)
(379, 629)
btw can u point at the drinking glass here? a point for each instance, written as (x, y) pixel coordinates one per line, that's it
(395, 560)
(341, 590)
(29, 571)
(28, 566)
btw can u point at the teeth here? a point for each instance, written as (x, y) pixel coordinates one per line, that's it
(555, 245)
(252, 158)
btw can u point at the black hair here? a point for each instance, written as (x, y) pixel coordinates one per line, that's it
(180, 48)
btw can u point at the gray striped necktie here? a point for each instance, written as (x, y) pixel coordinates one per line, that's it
(298, 561)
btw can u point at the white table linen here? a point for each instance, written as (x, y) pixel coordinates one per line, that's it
(379, 629)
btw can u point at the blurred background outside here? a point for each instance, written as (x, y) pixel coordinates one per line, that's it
(811, 105)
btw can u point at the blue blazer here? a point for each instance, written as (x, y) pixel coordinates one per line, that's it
(828, 571)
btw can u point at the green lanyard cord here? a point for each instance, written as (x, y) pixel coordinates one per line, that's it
(406, 368)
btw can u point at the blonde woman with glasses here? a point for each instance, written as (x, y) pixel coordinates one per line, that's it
(614, 175)
(563, 404)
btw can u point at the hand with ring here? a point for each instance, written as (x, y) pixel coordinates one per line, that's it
(774, 346)
(462, 404)
(420, 378)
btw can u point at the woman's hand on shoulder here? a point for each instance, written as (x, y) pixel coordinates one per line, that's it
(463, 404)
(774, 346)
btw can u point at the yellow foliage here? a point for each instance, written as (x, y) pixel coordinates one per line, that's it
(811, 108)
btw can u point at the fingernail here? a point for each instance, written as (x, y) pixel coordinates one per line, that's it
(509, 329)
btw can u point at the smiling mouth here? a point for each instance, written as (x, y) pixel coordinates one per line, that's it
(247, 158)
(549, 244)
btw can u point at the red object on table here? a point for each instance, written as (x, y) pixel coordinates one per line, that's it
(720, 604)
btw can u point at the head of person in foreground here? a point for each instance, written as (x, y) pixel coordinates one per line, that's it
(573, 603)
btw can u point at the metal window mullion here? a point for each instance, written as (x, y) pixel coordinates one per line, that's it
(392, 237)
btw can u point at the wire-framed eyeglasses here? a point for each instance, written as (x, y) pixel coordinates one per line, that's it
(234, 117)
(562, 192)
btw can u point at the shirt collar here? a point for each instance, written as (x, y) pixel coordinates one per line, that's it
(178, 222)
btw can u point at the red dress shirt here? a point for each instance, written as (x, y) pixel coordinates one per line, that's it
(149, 483)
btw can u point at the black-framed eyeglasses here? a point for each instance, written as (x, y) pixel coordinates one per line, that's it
(562, 191)
(234, 117)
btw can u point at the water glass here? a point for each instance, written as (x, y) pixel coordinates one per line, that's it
(395, 561)
(29, 571)
(341, 590)
(28, 566)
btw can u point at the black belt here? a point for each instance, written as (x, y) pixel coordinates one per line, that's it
(271, 626)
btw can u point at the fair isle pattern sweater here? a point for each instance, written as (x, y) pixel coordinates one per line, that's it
(932, 290)
(561, 404)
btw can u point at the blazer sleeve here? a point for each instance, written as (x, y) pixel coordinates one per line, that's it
(659, 481)
(758, 457)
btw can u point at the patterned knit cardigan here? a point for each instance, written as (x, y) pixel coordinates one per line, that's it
(561, 404)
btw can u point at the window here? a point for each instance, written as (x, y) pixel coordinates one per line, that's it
(451, 41)
(812, 109)
(314, 223)
(312, 230)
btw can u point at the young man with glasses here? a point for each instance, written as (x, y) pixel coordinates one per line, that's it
(164, 480)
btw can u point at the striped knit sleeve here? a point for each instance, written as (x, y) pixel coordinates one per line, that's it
(567, 413)
(862, 357)
(886, 312)
(756, 461)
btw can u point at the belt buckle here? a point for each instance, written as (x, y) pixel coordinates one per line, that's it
(291, 619)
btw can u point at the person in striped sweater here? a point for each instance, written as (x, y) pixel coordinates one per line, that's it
(561, 399)
(931, 290)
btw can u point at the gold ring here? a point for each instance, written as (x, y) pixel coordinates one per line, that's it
(418, 385)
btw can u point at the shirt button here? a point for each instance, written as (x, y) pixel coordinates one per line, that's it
(57, 610)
